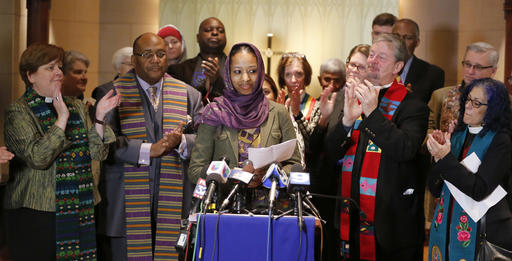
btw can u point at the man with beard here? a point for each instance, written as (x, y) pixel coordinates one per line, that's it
(381, 131)
(203, 71)
(142, 186)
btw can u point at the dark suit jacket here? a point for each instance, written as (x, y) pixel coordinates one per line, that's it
(185, 72)
(424, 78)
(399, 220)
(111, 212)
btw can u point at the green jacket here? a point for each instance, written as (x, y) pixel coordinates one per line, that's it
(32, 172)
(214, 142)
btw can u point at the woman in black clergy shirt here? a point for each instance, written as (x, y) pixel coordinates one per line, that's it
(483, 129)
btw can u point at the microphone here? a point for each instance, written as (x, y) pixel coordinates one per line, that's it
(274, 178)
(298, 183)
(217, 172)
(240, 178)
(197, 195)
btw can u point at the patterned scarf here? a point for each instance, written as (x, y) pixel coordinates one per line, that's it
(368, 178)
(74, 209)
(306, 106)
(462, 236)
(137, 192)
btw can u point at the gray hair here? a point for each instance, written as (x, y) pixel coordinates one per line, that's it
(119, 55)
(334, 66)
(70, 57)
(483, 47)
(400, 51)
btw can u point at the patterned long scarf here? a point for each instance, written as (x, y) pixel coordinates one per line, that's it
(462, 235)
(368, 178)
(74, 209)
(306, 106)
(137, 192)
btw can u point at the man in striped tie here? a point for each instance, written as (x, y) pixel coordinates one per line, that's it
(143, 188)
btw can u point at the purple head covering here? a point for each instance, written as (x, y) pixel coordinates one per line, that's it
(235, 110)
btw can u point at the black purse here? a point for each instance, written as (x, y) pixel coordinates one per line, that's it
(489, 251)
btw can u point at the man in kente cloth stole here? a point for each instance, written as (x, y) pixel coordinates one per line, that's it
(142, 181)
(382, 128)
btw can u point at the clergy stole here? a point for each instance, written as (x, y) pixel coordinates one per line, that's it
(136, 178)
(460, 235)
(367, 178)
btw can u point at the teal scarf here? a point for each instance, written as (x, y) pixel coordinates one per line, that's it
(460, 235)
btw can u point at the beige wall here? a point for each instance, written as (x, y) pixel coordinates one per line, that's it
(13, 28)
(438, 21)
(121, 21)
(74, 26)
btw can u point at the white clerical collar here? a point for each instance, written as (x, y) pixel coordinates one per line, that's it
(384, 86)
(475, 130)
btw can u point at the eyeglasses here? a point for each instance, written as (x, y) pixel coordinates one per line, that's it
(477, 67)
(353, 66)
(294, 54)
(149, 54)
(476, 104)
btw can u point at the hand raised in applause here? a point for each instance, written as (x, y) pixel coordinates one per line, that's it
(281, 97)
(351, 108)
(326, 105)
(106, 104)
(368, 95)
(5, 155)
(293, 101)
(436, 149)
(61, 108)
(211, 71)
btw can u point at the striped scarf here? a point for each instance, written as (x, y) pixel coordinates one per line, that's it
(368, 178)
(137, 191)
(462, 237)
(307, 105)
(74, 209)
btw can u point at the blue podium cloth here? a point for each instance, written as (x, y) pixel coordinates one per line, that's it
(243, 237)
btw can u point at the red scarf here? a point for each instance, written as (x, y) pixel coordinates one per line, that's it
(368, 178)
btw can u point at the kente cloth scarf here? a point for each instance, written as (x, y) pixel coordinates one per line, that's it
(307, 105)
(136, 178)
(462, 230)
(74, 208)
(236, 110)
(367, 180)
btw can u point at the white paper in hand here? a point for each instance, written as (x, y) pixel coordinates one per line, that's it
(263, 156)
(475, 209)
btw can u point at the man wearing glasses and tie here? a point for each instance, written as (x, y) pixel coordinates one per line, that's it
(480, 61)
(142, 182)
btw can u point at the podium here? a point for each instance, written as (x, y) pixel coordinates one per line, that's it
(244, 237)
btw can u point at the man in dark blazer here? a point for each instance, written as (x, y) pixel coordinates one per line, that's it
(149, 71)
(394, 127)
(424, 78)
(204, 72)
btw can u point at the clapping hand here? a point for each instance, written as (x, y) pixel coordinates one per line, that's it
(106, 104)
(326, 105)
(5, 155)
(351, 108)
(368, 95)
(211, 71)
(438, 144)
(293, 101)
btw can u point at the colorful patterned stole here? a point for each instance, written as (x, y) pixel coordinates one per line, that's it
(74, 209)
(462, 235)
(367, 180)
(307, 105)
(136, 179)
